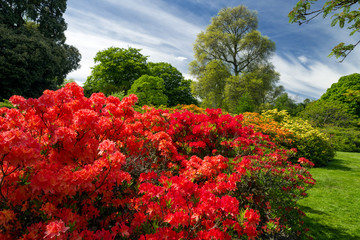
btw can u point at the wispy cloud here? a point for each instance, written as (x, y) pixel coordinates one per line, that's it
(305, 77)
(166, 31)
(160, 35)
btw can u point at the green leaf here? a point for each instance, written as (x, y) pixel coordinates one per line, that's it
(341, 22)
(334, 22)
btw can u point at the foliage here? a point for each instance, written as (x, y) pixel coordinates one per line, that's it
(284, 102)
(245, 103)
(332, 206)
(310, 142)
(149, 90)
(344, 139)
(267, 125)
(249, 90)
(116, 70)
(33, 53)
(6, 104)
(31, 63)
(192, 108)
(210, 86)
(232, 45)
(232, 38)
(92, 168)
(177, 89)
(119, 95)
(344, 13)
(46, 15)
(322, 113)
(352, 95)
(338, 92)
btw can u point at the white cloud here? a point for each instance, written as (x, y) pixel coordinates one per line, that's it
(163, 37)
(303, 59)
(181, 58)
(166, 33)
(310, 80)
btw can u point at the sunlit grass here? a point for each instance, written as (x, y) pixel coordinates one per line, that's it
(333, 205)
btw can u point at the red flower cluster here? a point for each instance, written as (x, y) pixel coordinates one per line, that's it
(73, 167)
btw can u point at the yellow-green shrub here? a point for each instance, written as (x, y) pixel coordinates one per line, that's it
(310, 142)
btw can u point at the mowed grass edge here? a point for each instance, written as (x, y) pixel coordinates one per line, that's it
(333, 204)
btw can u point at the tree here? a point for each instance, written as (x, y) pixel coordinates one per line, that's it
(256, 87)
(149, 90)
(47, 14)
(232, 41)
(31, 63)
(33, 53)
(177, 89)
(116, 70)
(284, 102)
(338, 92)
(344, 13)
(211, 85)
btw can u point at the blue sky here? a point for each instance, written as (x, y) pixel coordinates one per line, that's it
(165, 30)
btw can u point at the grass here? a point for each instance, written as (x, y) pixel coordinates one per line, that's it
(333, 204)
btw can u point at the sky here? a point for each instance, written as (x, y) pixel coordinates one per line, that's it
(165, 31)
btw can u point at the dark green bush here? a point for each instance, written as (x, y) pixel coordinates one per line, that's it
(344, 139)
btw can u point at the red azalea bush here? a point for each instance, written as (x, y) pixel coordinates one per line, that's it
(93, 168)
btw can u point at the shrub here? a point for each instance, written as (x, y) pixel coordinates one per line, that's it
(192, 108)
(325, 112)
(344, 139)
(93, 168)
(310, 142)
(267, 125)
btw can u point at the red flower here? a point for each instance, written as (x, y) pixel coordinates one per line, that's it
(106, 145)
(55, 228)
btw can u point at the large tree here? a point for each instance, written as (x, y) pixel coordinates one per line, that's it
(344, 13)
(33, 53)
(232, 40)
(116, 70)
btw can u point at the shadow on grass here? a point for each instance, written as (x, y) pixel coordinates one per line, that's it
(314, 211)
(320, 231)
(337, 164)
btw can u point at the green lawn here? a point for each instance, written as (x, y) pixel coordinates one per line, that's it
(333, 204)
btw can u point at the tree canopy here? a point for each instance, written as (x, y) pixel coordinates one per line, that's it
(233, 39)
(339, 90)
(149, 90)
(47, 14)
(232, 44)
(33, 53)
(344, 13)
(116, 70)
(177, 88)
(210, 87)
